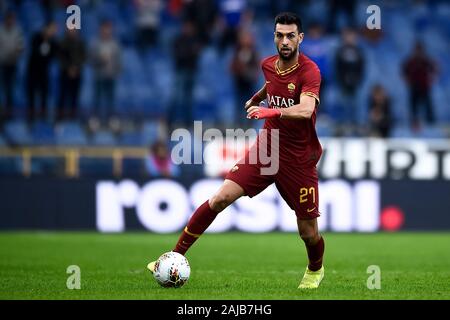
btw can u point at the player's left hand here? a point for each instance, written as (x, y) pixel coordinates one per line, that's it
(255, 112)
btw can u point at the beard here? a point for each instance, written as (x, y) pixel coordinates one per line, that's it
(287, 55)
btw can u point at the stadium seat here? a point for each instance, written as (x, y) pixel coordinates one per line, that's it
(104, 138)
(150, 132)
(401, 132)
(17, 133)
(43, 133)
(439, 97)
(324, 129)
(425, 132)
(431, 132)
(32, 16)
(70, 134)
(131, 138)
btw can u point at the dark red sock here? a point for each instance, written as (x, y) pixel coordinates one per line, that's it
(199, 222)
(315, 255)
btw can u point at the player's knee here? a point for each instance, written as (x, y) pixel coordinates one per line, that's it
(310, 238)
(220, 201)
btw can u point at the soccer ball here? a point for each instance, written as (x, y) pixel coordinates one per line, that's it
(172, 270)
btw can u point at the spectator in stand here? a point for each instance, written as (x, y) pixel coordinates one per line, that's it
(277, 6)
(43, 50)
(12, 45)
(245, 71)
(186, 51)
(340, 8)
(379, 112)
(159, 164)
(203, 15)
(350, 73)
(419, 71)
(231, 14)
(48, 7)
(175, 7)
(72, 56)
(316, 48)
(106, 57)
(147, 23)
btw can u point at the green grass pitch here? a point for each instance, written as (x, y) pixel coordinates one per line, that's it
(224, 266)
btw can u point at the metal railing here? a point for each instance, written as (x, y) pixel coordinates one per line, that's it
(72, 155)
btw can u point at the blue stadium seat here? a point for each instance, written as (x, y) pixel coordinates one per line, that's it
(401, 132)
(150, 132)
(32, 16)
(89, 25)
(441, 100)
(324, 129)
(104, 138)
(425, 132)
(70, 134)
(131, 138)
(17, 132)
(43, 133)
(431, 132)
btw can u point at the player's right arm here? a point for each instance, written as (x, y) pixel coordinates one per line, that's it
(257, 98)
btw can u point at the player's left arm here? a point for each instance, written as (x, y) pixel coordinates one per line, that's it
(303, 110)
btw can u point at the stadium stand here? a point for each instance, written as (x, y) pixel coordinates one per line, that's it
(144, 90)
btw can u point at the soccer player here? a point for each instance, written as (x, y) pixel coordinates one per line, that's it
(292, 93)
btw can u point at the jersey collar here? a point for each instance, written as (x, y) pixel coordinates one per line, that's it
(287, 71)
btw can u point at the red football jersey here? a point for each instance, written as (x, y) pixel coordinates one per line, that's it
(299, 145)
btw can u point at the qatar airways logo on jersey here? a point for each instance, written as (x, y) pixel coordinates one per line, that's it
(280, 102)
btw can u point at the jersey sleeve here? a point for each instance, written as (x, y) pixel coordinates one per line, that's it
(311, 83)
(263, 66)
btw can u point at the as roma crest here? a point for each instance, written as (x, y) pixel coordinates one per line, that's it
(291, 87)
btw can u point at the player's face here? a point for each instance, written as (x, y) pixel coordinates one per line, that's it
(287, 40)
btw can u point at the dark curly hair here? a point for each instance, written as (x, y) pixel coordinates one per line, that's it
(289, 18)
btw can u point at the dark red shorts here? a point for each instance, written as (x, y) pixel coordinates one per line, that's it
(298, 187)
